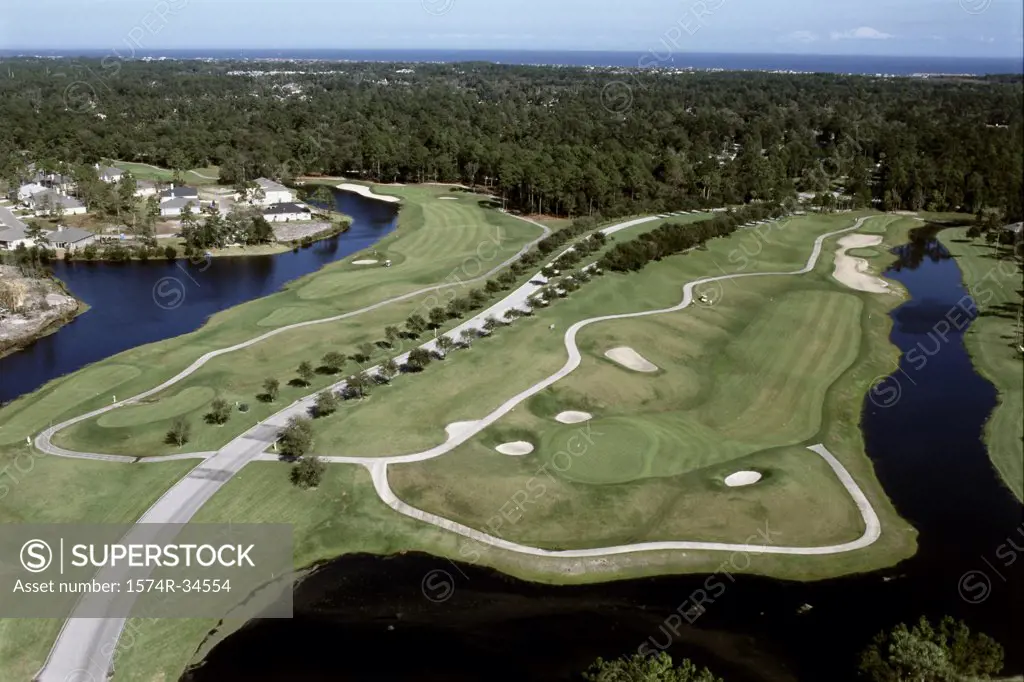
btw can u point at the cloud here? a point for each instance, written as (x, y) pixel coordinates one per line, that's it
(862, 33)
(799, 37)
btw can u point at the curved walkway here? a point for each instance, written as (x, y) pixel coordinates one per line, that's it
(44, 440)
(85, 646)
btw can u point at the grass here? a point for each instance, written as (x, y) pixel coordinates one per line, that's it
(43, 489)
(994, 282)
(142, 171)
(437, 241)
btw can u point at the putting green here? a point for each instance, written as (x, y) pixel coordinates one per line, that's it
(159, 410)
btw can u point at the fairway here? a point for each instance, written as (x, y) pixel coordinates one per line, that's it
(994, 286)
(437, 243)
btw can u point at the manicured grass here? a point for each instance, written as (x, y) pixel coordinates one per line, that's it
(142, 171)
(437, 241)
(994, 282)
(46, 489)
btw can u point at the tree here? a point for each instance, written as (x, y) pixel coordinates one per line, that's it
(437, 317)
(389, 370)
(923, 653)
(392, 334)
(444, 345)
(305, 372)
(359, 385)
(334, 362)
(641, 668)
(491, 323)
(366, 350)
(322, 196)
(419, 358)
(467, 337)
(220, 412)
(271, 389)
(326, 403)
(416, 325)
(308, 472)
(36, 233)
(180, 432)
(296, 439)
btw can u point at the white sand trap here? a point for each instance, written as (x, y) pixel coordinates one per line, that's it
(365, 262)
(630, 359)
(742, 478)
(853, 272)
(363, 190)
(457, 429)
(515, 449)
(449, 198)
(572, 417)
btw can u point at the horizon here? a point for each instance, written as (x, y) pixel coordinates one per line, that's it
(986, 29)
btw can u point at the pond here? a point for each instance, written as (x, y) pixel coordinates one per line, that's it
(136, 303)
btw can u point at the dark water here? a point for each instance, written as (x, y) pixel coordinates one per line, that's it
(365, 618)
(818, 63)
(133, 304)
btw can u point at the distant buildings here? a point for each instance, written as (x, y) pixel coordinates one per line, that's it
(49, 201)
(174, 199)
(145, 189)
(109, 174)
(14, 232)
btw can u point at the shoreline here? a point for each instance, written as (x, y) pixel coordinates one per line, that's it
(81, 307)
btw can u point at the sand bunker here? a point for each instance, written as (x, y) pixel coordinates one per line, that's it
(853, 272)
(742, 478)
(365, 191)
(449, 198)
(365, 262)
(515, 449)
(572, 417)
(630, 359)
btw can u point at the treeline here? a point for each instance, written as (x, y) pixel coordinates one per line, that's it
(545, 139)
(671, 238)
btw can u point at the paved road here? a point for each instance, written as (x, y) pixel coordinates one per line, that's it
(85, 647)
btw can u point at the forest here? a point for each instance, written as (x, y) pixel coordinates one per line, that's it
(557, 140)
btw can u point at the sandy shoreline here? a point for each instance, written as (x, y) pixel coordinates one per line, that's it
(364, 191)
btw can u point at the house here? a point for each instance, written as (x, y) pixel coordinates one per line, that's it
(273, 193)
(55, 181)
(70, 238)
(1014, 228)
(27, 190)
(47, 201)
(12, 230)
(180, 192)
(145, 188)
(109, 174)
(285, 212)
(172, 207)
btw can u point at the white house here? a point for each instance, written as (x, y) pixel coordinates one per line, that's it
(109, 174)
(172, 207)
(12, 230)
(27, 190)
(180, 192)
(286, 212)
(273, 193)
(70, 238)
(45, 202)
(145, 188)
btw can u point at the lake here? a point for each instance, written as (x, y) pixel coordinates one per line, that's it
(373, 618)
(132, 304)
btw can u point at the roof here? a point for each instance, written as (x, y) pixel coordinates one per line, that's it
(179, 202)
(271, 186)
(10, 221)
(11, 234)
(284, 207)
(69, 234)
(145, 184)
(57, 198)
(110, 172)
(180, 191)
(1016, 228)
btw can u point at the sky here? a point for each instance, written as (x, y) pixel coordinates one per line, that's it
(963, 28)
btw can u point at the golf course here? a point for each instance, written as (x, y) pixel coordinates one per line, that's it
(727, 422)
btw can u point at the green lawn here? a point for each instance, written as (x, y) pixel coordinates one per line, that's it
(995, 285)
(142, 171)
(437, 242)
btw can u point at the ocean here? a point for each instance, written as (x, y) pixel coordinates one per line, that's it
(845, 64)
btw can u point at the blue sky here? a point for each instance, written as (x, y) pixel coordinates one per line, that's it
(986, 28)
